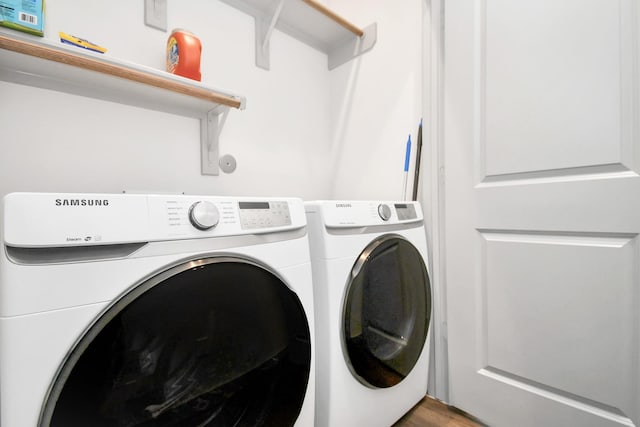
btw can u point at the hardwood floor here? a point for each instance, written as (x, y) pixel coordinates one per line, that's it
(433, 413)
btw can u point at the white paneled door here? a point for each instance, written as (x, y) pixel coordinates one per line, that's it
(542, 202)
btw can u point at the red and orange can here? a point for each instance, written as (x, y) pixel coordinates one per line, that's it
(183, 54)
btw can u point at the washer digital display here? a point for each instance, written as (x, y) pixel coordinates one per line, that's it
(253, 205)
(264, 214)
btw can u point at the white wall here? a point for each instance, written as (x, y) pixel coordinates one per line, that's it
(376, 101)
(306, 132)
(58, 142)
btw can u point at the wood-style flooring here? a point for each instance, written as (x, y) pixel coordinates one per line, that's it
(433, 413)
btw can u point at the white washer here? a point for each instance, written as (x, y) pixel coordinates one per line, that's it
(373, 310)
(168, 310)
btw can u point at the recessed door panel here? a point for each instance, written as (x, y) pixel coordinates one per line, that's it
(560, 65)
(553, 95)
(544, 296)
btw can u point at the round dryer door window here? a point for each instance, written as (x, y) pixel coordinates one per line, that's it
(213, 342)
(386, 312)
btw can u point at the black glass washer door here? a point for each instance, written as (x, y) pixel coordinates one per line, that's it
(212, 342)
(386, 312)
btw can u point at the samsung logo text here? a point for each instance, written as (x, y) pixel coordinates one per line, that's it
(82, 202)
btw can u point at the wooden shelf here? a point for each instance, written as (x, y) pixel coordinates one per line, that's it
(42, 63)
(310, 22)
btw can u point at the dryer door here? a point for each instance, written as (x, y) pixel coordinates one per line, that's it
(212, 342)
(386, 312)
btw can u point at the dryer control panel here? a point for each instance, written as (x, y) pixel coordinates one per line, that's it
(342, 214)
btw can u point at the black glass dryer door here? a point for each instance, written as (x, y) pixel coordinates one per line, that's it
(386, 312)
(214, 342)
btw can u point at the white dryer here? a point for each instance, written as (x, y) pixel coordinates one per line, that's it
(150, 310)
(373, 310)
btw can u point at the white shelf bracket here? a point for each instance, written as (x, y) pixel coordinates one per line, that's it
(354, 47)
(264, 29)
(210, 128)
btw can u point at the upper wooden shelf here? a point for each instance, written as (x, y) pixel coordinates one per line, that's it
(310, 22)
(41, 63)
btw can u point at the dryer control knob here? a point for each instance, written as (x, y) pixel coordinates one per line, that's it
(385, 212)
(204, 215)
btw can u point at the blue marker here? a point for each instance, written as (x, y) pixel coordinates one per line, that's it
(407, 157)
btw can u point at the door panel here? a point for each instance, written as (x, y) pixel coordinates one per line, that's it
(543, 293)
(542, 210)
(560, 65)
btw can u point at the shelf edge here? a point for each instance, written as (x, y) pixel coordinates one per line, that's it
(332, 15)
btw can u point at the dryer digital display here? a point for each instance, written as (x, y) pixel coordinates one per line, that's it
(405, 211)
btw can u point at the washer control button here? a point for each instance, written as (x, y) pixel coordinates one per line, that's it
(385, 212)
(204, 215)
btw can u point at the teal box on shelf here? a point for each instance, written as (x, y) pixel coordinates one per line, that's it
(23, 15)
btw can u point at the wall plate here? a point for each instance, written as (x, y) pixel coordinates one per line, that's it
(228, 163)
(155, 14)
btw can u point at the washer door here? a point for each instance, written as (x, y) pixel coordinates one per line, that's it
(213, 342)
(386, 312)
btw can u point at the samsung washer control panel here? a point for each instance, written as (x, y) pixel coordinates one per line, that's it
(263, 214)
(61, 219)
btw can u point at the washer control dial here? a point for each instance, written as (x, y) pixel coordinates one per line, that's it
(385, 212)
(204, 215)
